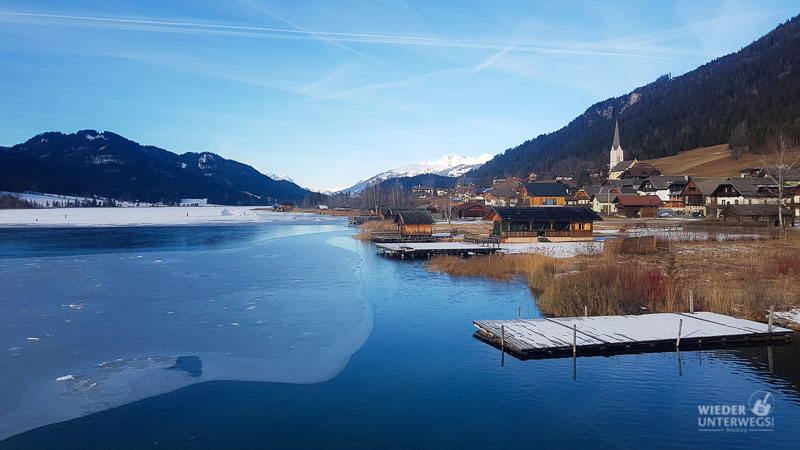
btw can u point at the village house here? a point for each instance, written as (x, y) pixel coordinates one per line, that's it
(544, 193)
(583, 196)
(741, 191)
(417, 223)
(603, 200)
(761, 213)
(639, 171)
(642, 206)
(616, 171)
(531, 224)
(423, 191)
(697, 191)
(667, 188)
(470, 210)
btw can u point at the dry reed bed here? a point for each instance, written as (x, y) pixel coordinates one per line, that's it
(741, 279)
(366, 229)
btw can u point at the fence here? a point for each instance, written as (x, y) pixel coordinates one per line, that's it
(631, 245)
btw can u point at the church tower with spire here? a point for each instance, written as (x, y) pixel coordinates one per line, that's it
(616, 151)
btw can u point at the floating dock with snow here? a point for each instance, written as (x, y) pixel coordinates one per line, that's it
(557, 337)
(428, 249)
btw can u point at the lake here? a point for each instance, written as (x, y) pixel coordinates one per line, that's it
(297, 336)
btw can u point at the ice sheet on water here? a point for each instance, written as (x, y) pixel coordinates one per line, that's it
(144, 329)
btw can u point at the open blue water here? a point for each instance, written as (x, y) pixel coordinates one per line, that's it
(420, 379)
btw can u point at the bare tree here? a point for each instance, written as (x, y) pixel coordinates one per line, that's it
(372, 194)
(781, 159)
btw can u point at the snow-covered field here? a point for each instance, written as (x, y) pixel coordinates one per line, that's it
(85, 217)
(555, 249)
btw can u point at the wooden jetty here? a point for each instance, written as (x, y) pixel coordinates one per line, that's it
(428, 249)
(558, 337)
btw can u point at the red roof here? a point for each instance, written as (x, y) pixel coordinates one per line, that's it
(639, 200)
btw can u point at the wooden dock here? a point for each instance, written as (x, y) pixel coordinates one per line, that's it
(428, 249)
(558, 337)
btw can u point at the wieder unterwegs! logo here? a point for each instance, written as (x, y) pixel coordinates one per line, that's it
(754, 416)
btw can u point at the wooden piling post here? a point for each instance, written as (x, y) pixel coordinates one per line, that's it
(502, 345)
(680, 326)
(769, 323)
(574, 340)
(585, 311)
(691, 301)
(519, 312)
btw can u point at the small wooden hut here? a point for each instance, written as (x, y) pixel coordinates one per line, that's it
(414, 223)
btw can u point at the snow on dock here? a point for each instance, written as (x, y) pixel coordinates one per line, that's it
(427, 249)
(554, 337)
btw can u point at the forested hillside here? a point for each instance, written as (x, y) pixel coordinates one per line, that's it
(743, 98)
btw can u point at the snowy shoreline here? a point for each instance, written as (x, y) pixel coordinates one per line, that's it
(149, 216)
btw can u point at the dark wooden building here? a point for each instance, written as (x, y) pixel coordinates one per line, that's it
(529, 224)
(764, 214)
(414, 223)
(470, 210)
(638, 205)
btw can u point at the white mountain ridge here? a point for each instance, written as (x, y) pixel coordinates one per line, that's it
(450, 165)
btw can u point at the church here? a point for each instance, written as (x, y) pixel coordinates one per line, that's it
(617, 164)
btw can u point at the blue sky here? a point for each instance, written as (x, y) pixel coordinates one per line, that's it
(330, 92)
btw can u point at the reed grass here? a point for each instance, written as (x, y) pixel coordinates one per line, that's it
(366, 228)
(738, 284)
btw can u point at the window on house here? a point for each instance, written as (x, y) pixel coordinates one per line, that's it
(520, 226)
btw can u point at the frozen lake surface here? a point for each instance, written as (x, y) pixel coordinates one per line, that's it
(127, 324)
(91, 331)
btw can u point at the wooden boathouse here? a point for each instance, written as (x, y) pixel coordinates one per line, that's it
(416, 223)
(529, 224)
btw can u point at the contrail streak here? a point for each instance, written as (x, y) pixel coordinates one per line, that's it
(152, 25)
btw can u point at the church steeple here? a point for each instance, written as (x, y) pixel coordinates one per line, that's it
(616, 150)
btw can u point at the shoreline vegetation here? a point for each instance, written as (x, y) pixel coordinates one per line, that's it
(741, 278)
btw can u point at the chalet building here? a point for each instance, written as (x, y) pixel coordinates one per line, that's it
(423, 191)
(638, 205)
(697, 192)
(765, 214)
(792, 198)
(544, 193)
(639, 171)
(506, 192)
(582, 196)
(471, 210)
(667, 188)
(675, 200)
(530, 224)
(750, 172)
(603, 201)
(615, 173)
(741, 191)
(414, 223)
(629, 183)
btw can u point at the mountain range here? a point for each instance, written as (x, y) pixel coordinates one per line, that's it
(744, 98)
(450, 165)
(88, 163)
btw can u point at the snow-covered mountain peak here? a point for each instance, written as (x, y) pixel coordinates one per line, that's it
(450, 165)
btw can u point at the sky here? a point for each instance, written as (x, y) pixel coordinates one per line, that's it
(331, 92)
